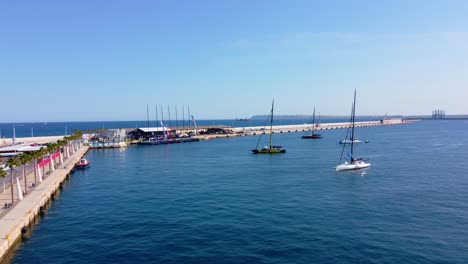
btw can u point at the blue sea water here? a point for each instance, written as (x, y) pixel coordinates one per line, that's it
(215, 202)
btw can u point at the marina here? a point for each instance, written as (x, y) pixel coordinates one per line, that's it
(228, 132)
(188, 199)
(16, 219)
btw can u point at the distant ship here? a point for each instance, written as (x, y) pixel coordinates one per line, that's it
(242, 119)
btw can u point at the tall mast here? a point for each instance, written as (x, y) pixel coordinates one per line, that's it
(313, 122)
(169, 112)
(162, 116)
(157, 118)
(176, 118)
(271, 122)
(183, 118)
(188, 113)
(353, 113)
(147, 115)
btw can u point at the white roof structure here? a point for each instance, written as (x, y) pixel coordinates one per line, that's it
(153, 129)
(20, 148)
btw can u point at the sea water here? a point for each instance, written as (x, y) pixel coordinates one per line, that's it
(215, 202)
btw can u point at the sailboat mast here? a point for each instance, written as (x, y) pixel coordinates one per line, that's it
(313, 122)
(183, 118)
(162, 116)
(147, 115)
(352, 124)
(157, 118)
(271, 122)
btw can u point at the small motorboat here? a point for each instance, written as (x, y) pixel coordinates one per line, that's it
(83, 163)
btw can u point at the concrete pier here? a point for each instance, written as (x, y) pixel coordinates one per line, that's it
(23, 213)
(249, 131)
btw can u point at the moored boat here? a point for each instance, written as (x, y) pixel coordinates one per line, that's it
(83, 163)
(313, 135)
(270, 149)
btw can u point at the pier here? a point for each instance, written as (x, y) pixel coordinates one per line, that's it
(252, 131)
(20, 217)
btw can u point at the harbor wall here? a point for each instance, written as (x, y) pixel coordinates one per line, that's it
(25, 212)
(250, 131)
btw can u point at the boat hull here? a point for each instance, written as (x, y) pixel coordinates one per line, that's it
(352, 166)
(82, 165)
(268, 151)
(313, 136)
(347, 141)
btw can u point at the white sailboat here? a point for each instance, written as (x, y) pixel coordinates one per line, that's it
(352, 163)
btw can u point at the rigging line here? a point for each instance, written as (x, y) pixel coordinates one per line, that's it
(346, 137)
(266, 122)
(353, 119)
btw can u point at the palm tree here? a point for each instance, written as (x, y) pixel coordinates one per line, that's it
(35, 155)
(78, 135)
(65, 146)
(42, 152)
(23, 159)
(55, 148)
(50, 151)
(3, 175)
(61, 143)
(12, 162)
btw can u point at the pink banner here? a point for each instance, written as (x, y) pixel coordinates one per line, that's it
(46, 161)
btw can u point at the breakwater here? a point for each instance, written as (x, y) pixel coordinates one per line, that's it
(17, 219)
(255, 130)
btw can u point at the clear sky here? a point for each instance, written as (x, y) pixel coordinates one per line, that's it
(106, 60)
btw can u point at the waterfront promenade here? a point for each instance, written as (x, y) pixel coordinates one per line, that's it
(23, 213)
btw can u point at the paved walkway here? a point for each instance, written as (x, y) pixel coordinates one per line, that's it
(23, 212)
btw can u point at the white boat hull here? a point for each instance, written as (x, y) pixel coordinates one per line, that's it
(347, 141)
(352, 166)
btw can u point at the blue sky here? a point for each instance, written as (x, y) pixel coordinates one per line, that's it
(106, 60)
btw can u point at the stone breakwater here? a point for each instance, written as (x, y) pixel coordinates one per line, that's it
(250, 131)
